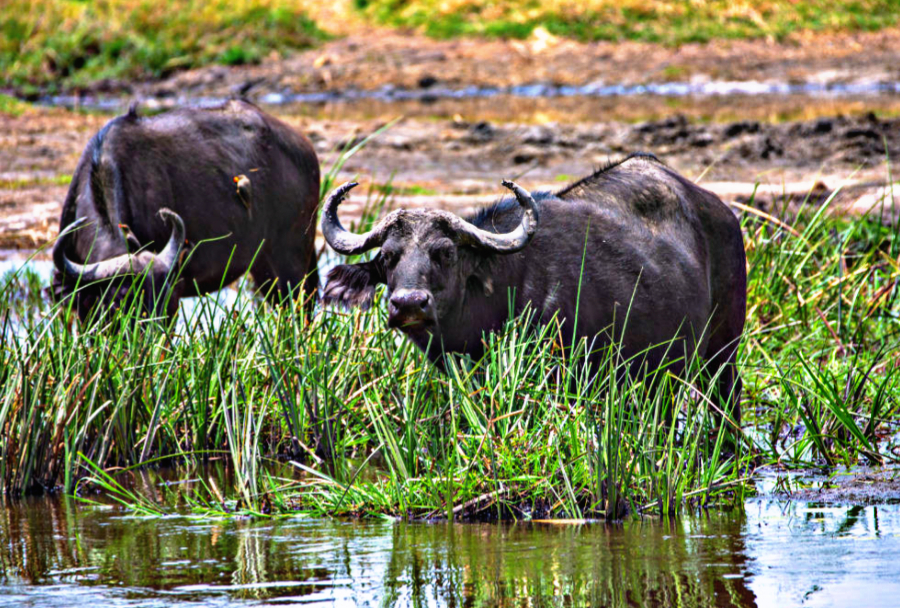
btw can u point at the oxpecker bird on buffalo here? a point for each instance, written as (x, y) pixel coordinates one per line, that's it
(640, 255)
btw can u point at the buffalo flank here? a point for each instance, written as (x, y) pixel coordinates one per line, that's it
(657, 261)
(186, 202)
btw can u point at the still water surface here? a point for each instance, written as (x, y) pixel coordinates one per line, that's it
(57, 552)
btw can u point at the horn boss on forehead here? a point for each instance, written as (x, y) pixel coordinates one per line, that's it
(348, 243)
(508, 242)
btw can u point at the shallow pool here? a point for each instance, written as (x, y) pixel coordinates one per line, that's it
(58, 552)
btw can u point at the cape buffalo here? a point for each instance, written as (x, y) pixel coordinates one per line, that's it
(635, 239)
(236, 182)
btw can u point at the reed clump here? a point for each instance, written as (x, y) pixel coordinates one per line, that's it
(368, 426)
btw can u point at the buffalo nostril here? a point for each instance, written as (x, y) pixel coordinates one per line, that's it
(411, 300)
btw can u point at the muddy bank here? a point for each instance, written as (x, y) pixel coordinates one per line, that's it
(858, 486)
(739, 150)
(457, 163)
(453, 152)
(373, 58)
(580, 109)
(38, 153)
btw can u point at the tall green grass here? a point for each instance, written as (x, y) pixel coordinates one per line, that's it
(821, 364)
(369, 426)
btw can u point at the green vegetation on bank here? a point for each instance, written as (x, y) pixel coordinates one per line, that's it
(10, 106)
(61, 44)
(65, 43)
(370, 427)
(30, 182)
(669, 22)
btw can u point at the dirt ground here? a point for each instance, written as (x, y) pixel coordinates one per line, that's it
(368, 58)
(453, 153)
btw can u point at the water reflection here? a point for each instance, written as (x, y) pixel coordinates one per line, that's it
(698, 562)
(824, 555)
(51, 544)
(57, 552)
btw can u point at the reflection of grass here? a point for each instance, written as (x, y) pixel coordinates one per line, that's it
(670, 22)
(71, 42)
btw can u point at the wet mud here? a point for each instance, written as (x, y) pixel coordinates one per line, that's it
(458, 162)
(857, 486)
(475, 111)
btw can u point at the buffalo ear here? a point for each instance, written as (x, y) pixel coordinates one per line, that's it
(353, 285)
(480, 278)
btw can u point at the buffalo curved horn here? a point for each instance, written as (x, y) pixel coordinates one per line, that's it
(59, 248)
(508, 242)
(348, 243)
(126, 263)
(168, 257)
(342, 240)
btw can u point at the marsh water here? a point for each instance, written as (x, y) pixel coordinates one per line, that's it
(60, 552)
(700, 99)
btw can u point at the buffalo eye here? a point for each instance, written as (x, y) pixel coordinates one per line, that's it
(443, 253)
(390, 257)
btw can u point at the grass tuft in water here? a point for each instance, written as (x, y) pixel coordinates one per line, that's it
(361, 424)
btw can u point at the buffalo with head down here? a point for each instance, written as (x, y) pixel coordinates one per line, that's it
(658, 262)
(238, 184)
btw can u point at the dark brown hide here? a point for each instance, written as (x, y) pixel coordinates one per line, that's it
(658, 250)
(190, 160)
